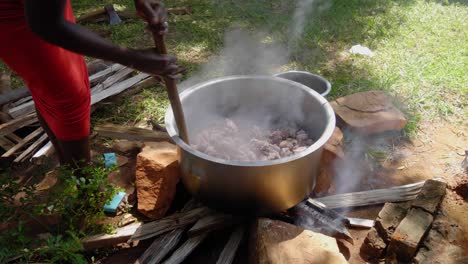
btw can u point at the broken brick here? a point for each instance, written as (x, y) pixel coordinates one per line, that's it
(430, 196)
(373, 246)
(409, 233)
(389, 218)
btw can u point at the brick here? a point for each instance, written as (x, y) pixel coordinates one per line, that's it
(389, 218)
(156, 177)
(430, 196)
(409, 233)
(373, 247)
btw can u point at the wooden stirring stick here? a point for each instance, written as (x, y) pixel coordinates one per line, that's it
(172, 92)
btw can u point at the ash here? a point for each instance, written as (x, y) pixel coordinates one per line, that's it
(244, 141)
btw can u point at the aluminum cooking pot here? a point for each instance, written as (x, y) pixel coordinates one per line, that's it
(259, 187)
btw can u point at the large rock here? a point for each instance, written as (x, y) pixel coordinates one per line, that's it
(157, 174)
(332, 151)
(276, 242)
(369, 112)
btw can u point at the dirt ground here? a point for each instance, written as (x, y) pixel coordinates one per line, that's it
(438, 151)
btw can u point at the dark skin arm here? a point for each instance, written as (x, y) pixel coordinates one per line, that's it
(45, 19)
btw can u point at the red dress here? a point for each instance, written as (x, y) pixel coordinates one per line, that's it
(57, 78)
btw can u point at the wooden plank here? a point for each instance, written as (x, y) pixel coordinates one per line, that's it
(22, 109)
(131, 133)
(379, 196)
(118, 88)
(169, 223)
(26, 140)
(14, 95)
(102, 75)
(185, 249)
(104, 240)
(31, 149)
(119, 75)
(229, 251)
(211, 222)
(17, 123)
(97, 65)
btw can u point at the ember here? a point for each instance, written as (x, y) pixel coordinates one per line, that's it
(243, 141)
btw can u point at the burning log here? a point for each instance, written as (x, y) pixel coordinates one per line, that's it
(169, 223)
(229, 251)
(317, 219)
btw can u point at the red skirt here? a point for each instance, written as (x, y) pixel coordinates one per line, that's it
(57, 78)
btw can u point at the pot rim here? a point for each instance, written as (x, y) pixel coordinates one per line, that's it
(319, 143)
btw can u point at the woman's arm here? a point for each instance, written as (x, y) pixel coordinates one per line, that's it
(46, 19)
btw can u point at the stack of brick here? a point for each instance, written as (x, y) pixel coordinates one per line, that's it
(400, 228)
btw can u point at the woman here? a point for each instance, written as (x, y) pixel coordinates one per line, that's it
(40, 41)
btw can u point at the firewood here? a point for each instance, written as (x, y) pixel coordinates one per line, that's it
(97, 65)
(23, 142)
(13, 137)
(103, 240)
(17, 123)
(169, 223)
(22, 109)
(30, 149)
(5, 143)
(21, 101)
(14, 95)
(45, 152)
(117, 88)
(102, 75)
(119, 75)
(211, 222)
(131, 133)
(164, 244)
(161, 247)
(379, 196)
(229, 251)
(185, 249)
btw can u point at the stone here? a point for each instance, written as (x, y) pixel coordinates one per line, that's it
(389, 218)
(157, 174)
(277, 242)
(373, 247)
(127, 146)
(430, 196)
(332, 151)
(369, 112)
(409, 234)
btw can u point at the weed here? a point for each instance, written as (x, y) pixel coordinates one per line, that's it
(77, 199)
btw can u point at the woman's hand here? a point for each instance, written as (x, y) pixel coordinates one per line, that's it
(147, 60)
(153, 12)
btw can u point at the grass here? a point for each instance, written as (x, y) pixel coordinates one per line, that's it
(420, 56)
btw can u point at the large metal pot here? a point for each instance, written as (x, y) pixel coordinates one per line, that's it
(256, 186)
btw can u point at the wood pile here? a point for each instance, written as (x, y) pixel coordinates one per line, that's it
(18, 111)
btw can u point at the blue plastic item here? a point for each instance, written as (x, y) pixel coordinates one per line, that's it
(111, 207)
(110, 159)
